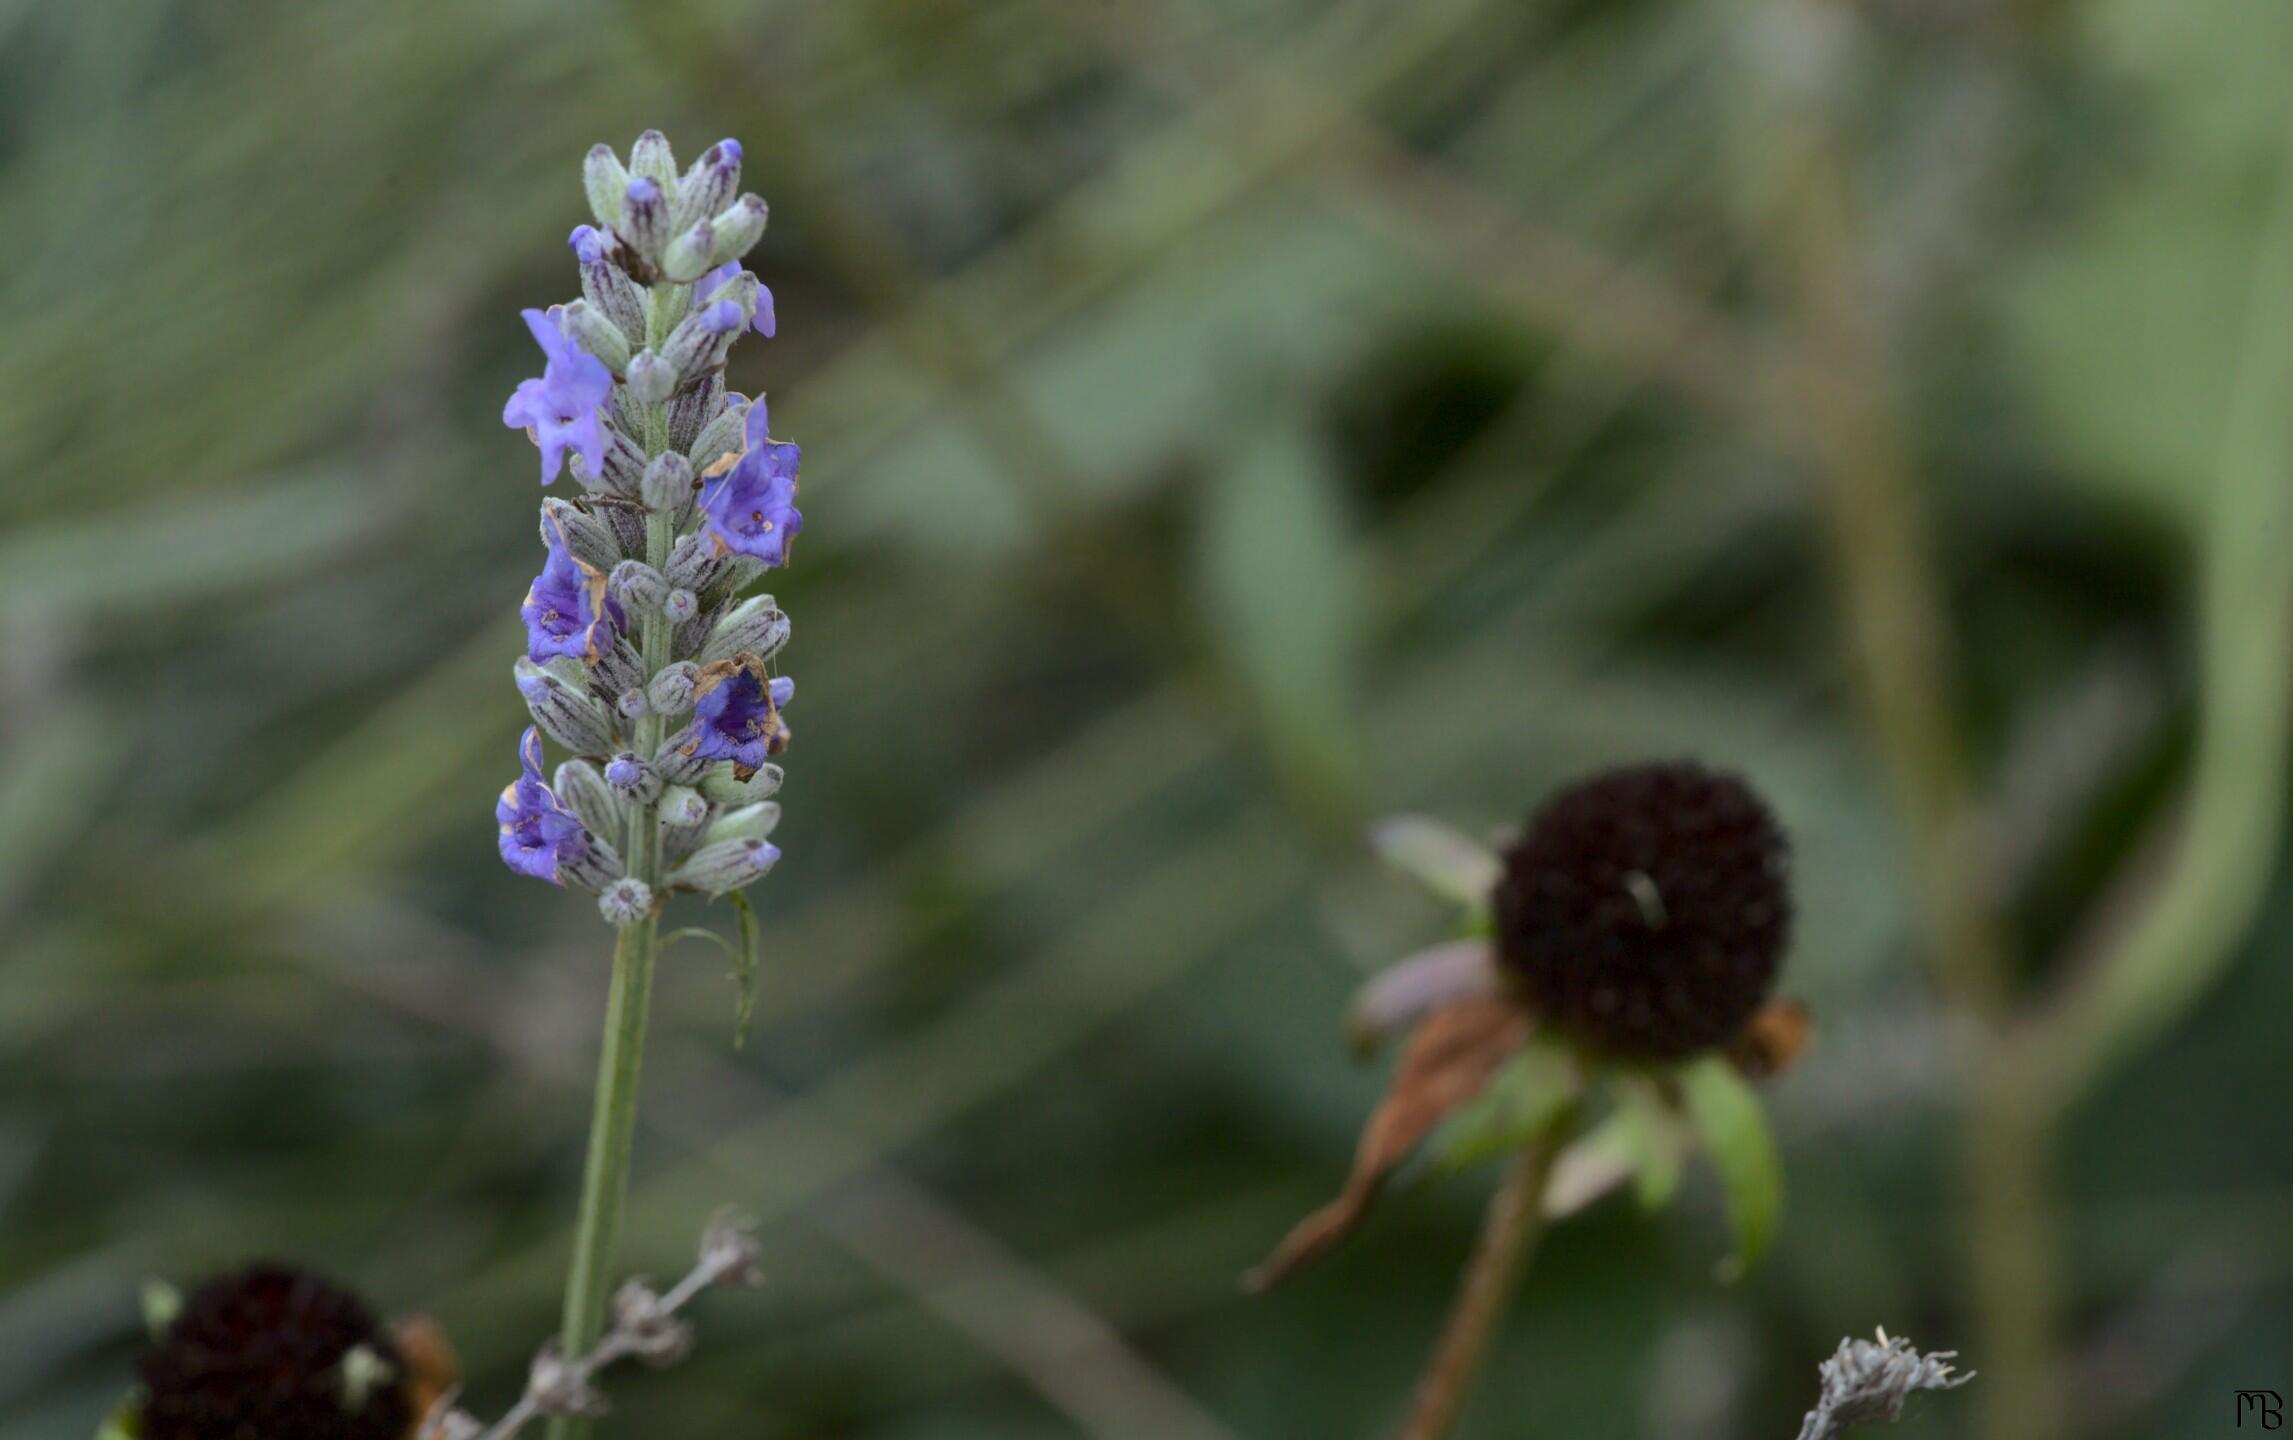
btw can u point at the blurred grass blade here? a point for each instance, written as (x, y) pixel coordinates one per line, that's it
(1284, 600)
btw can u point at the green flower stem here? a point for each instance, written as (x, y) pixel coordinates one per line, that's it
(613, 1119)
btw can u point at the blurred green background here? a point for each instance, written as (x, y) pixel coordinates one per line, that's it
(1225, 421)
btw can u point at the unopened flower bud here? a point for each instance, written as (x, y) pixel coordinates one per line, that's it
(720, 436)
(678, 763)
(671, 691)
(694, 563)
(565, 714)
(597, 866)
(680, 605)
(581, 788)
(749, 822)
(652, 157)
(604, 285)
(643, 224)
(682, 805)
(596, 334)
(691, 409)
(668, 483)
(700, 342)
(709, 185)
(682, 808)
(651, 379)
(606, 180)
(631, 704)
(739, 227)
(625, 902)
(624, 466)
(619, 668)
(687, 257)
(753, 627)
(587, 538)
(723, 786)
(717, 869)
(632, 778)
(637, 587)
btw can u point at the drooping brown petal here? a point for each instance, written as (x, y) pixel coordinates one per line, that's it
(1772, 1040)
(432, 1372)
(1447, 1063)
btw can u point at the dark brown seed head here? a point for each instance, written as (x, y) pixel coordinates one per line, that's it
(258, 1355)
(1646, 909)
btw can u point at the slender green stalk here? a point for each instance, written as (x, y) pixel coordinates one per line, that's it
(612, 1128)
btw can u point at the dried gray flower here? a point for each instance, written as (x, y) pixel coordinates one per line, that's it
(1866, 1380)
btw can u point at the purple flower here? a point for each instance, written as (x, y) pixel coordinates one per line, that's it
(538, 835)
(724, 275)
(559, 410)
(736, 713)
(566, 611)
(752, 509)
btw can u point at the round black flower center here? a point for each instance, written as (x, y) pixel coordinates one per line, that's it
(259, 1355)
(1646, 909)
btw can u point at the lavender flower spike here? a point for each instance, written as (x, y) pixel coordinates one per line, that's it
(559, 410)
(752, 508)
(644, 656)
(538, 835)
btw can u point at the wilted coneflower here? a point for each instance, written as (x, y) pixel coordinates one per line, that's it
(1596, 1023)
(1645, 910)
(283, 1354)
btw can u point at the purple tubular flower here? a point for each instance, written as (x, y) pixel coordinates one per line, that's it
(538, 835)
(566, 611)
(709, 284)
(560, 410)
(752, 508)
(736, 714)
(721, 317)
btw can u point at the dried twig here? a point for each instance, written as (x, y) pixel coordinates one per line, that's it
(646, 1325)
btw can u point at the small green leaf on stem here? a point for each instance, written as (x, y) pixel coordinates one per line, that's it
(1734, 1129)
(751, 948)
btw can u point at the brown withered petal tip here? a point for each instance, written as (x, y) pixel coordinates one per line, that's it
(1645, 911)
(259, 1352)
(1447, 1063)
(1772, 1041)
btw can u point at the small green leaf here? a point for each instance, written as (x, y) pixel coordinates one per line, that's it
(751, 948)
(1653, 1143)
(1734, 1129)
(697, 932)
(1445, 859)
(1521, 1102)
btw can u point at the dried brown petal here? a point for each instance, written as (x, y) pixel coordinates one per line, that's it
(1772, 1041)
(1447, 1063)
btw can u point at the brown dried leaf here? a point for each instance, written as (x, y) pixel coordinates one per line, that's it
(1447, 1063)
